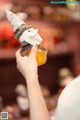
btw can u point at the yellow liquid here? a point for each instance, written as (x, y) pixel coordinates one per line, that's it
(41, 56)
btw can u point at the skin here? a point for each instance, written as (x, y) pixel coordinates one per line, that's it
(29, 69)
(69, 101)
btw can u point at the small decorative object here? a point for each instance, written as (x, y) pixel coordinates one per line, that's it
(48, 12)
(22, 99)
(22, 15)
(34, 12)
(71, 4)
(66, 76)
(75, 13)
(28, 36)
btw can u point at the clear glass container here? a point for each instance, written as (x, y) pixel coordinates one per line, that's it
(41, 55)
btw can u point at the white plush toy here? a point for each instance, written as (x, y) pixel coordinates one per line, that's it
(25, 33)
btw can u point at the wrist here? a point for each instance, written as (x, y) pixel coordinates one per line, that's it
(31, 77)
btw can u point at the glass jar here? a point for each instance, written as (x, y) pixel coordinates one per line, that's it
(41, 56)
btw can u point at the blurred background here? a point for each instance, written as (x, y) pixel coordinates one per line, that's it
(59, 26)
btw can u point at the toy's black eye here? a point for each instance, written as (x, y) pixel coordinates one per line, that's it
(28, 30)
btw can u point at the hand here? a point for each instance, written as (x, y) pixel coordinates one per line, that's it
(27, 65)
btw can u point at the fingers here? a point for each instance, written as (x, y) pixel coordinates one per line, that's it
(33, 51)
(18, 54)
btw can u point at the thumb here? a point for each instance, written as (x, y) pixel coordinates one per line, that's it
(33, 51)
(18, 54)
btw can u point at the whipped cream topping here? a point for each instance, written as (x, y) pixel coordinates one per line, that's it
(30, 35)
(15, 21)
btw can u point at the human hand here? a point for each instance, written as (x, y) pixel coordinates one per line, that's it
(27, 65)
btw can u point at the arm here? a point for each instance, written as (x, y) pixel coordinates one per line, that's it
(28, 67)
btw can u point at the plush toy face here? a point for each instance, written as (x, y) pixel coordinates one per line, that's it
(31, 36)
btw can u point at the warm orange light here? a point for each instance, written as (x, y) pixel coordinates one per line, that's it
(41, 56)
